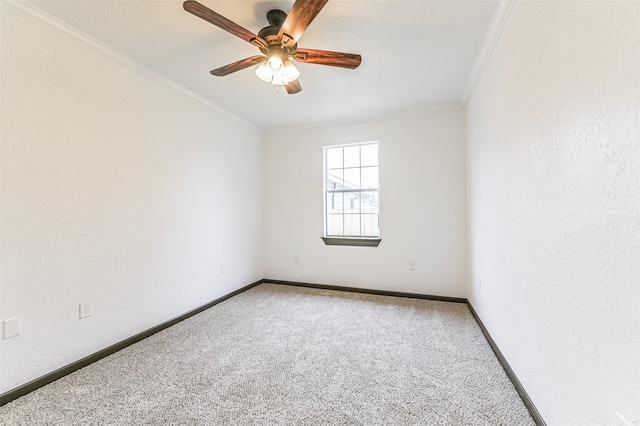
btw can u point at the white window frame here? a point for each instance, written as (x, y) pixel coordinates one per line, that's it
(348, 240)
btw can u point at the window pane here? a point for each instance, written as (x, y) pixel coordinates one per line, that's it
(334, 179)
(369, 155)
(370, 226)
(352, 178)
(370, 202)
(353, 169)
(334, 224)
(352, 224)
(335, 202)
(334, 158)
(352, 202)
(369, 177)
(352, 156)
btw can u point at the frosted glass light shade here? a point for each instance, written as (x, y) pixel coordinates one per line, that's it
(264, 73)
(275, 63)
(276, 71)
(290, 71)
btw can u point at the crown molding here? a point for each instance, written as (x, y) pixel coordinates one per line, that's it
(48, 21)
(498, 21)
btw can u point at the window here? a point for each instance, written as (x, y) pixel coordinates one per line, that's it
(352, 195)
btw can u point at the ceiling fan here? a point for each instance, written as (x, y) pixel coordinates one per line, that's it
(278, 43)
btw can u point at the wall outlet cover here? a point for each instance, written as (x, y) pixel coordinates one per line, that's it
(85, 310)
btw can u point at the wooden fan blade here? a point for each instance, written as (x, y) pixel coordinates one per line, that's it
(299, 18)
(325, 57)
(218, 20)
(293, 87)
(238, 65)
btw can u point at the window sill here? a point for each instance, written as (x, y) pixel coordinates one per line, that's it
(351, 241)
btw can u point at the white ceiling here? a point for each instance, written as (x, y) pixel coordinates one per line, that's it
(414, 53)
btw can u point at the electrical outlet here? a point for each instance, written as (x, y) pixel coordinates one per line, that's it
(222, 268)
(296, 259)
(413, 265)
(12, 327)
(85, 310)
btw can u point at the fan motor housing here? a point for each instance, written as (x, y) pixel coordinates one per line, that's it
(276, 18)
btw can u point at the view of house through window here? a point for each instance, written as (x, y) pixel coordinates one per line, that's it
(352, 195)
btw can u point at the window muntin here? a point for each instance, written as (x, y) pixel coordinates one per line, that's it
(352, 194)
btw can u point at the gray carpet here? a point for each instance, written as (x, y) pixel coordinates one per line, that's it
(280, 355)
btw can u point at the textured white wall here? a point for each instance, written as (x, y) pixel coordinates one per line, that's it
(554, 172)
(423, 210)
(116, 190)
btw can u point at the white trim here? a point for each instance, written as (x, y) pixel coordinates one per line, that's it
(63, 29)
(498, 22)
(331, 239)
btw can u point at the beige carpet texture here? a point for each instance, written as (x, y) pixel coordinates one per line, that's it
(284, 355)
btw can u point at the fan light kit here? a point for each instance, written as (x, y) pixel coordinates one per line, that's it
(277, 69)
(278, 43)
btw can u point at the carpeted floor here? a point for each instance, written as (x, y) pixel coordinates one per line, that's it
(280, 355)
